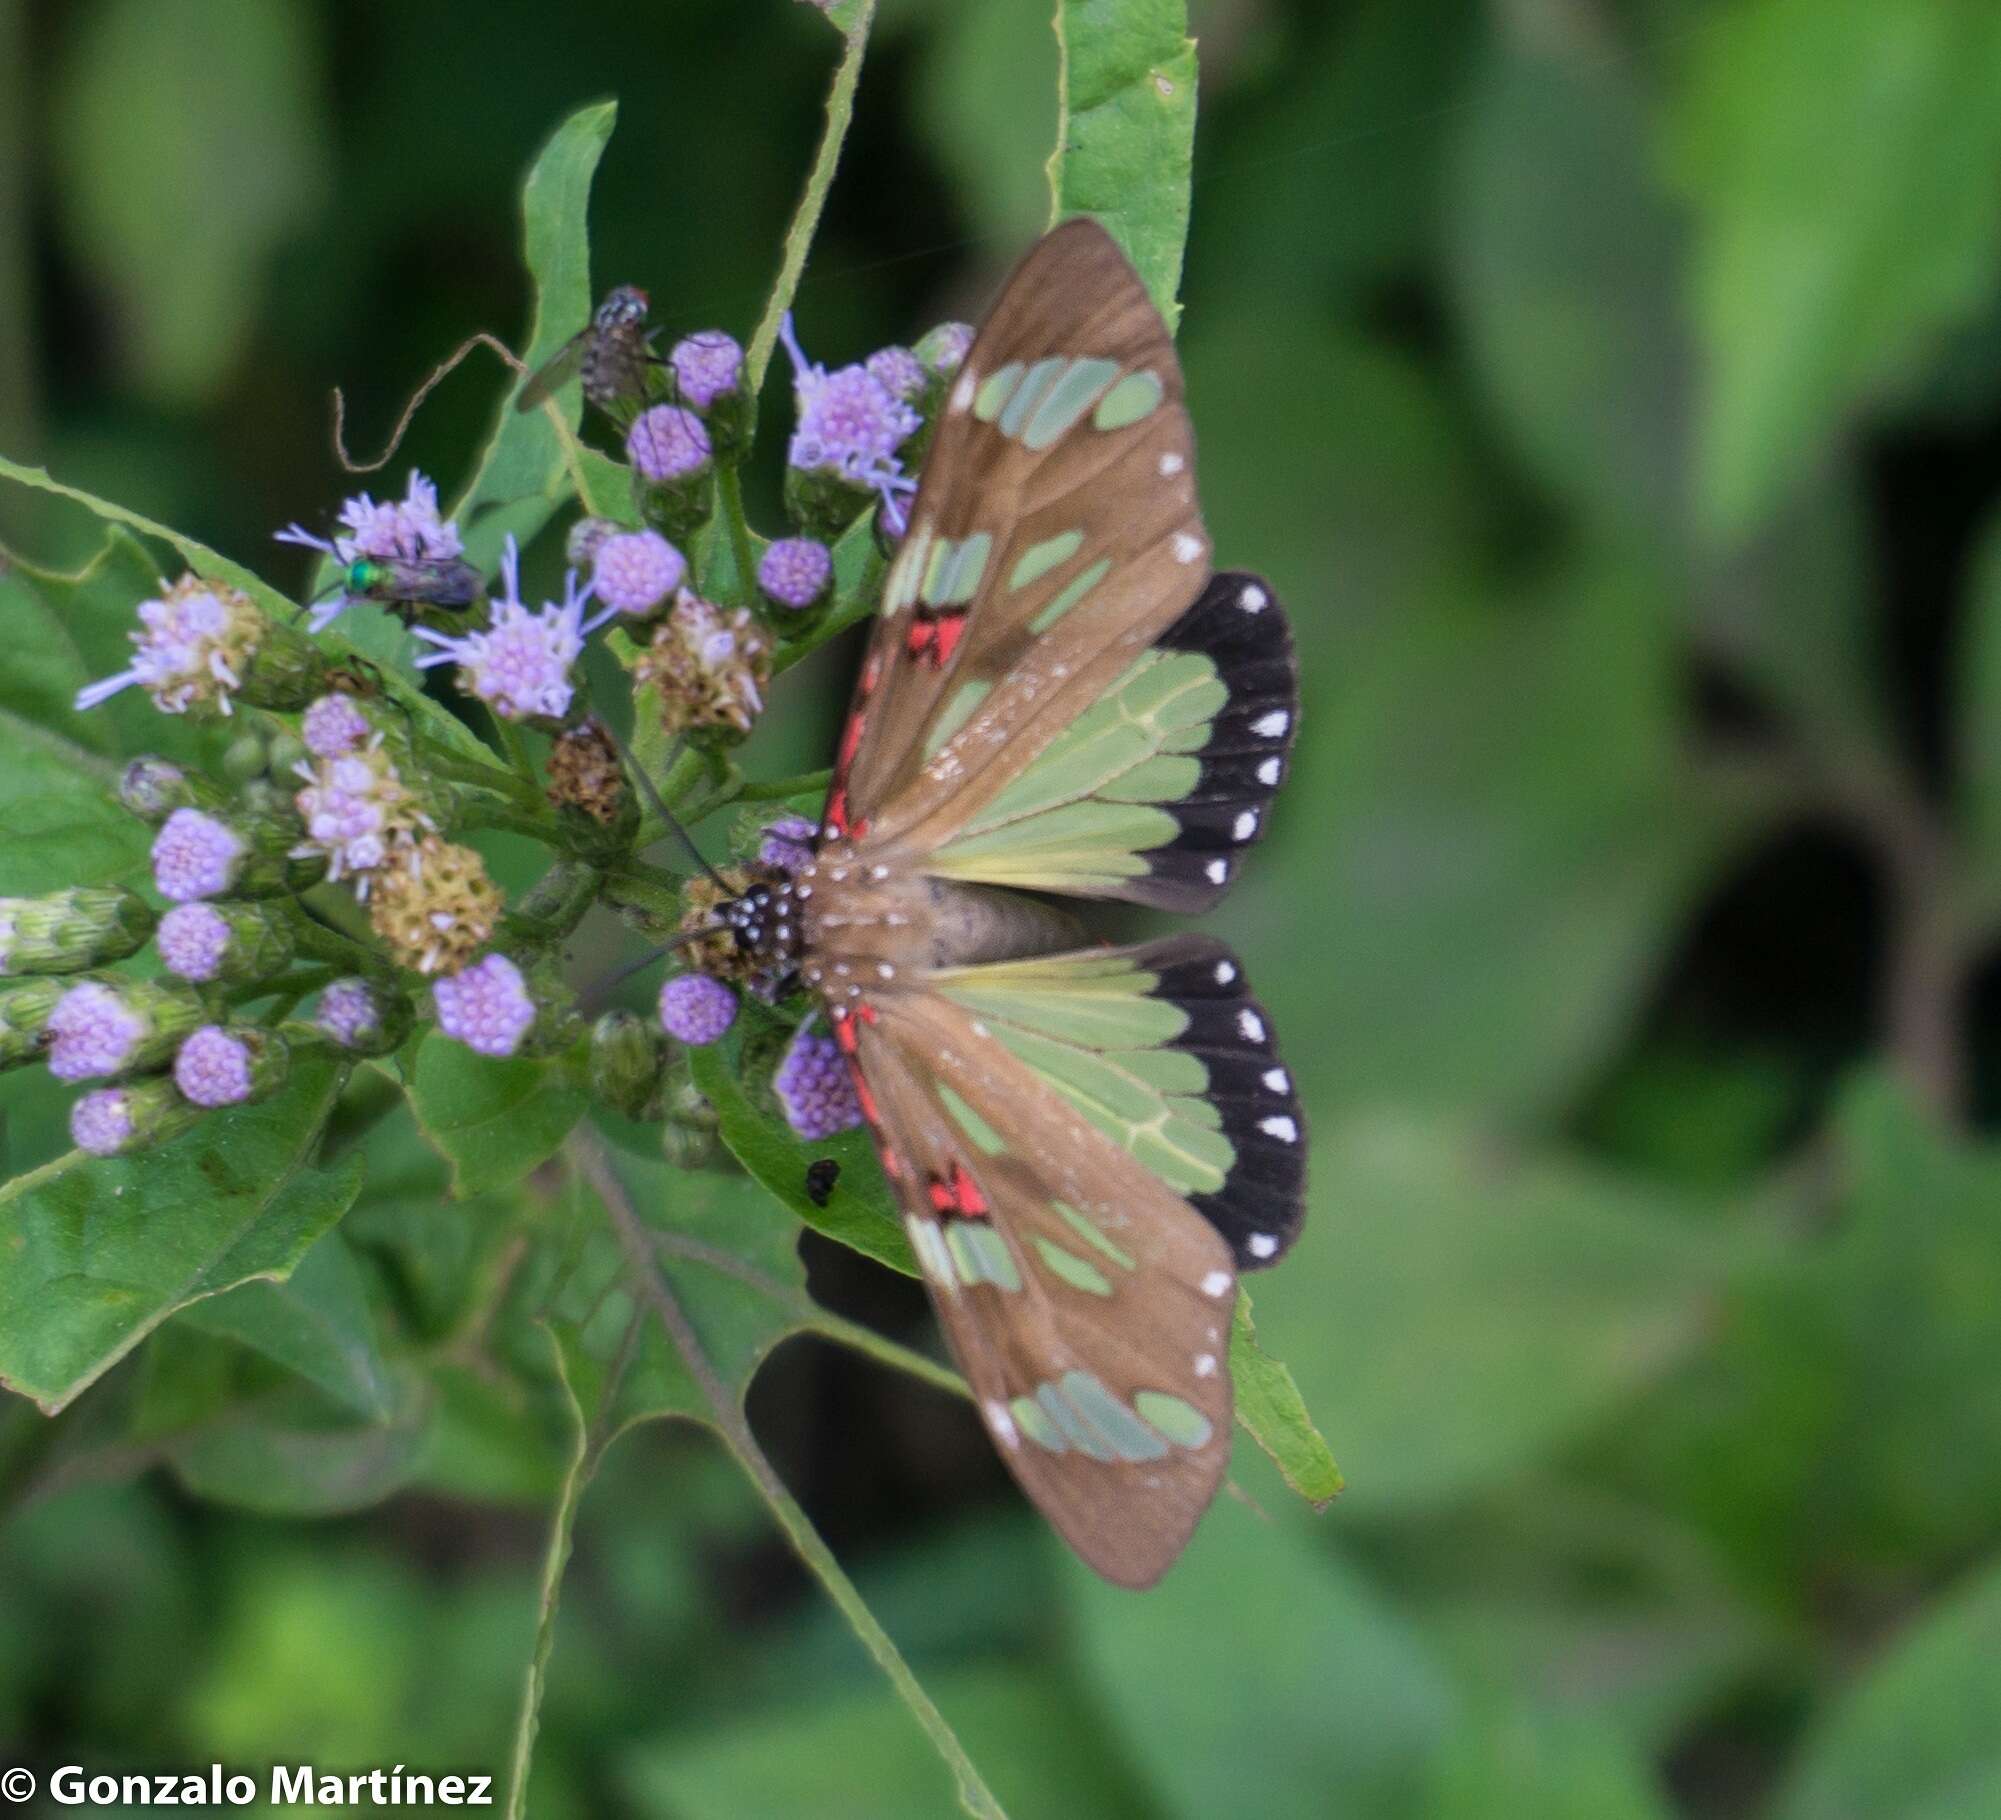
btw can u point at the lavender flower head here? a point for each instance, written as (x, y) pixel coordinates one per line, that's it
(788, 843)
(815, 1089)
(707, 366)
(101, 1123)
(636, 571)
(408, 529)
(898, 371)
(333, 725)
(520, 664)
(212, 1068)
(944, 349)
(695, 1009)
(350, 1011)
(666, 442)
(193, 940)
(794, 572)
(194, 856)
(358, 812)
(852, 423)
(487, 1006)
(92, 1031)
(193, 646)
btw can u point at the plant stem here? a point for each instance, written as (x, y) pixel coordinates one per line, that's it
(730, 487)
(806, 218)
(779, 789)
(634, 1239)
(516, 749)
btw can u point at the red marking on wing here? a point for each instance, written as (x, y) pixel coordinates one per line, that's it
(851, 739)
(846, 1035)
(837, 809)
(871, 674)
(966, 1192)
(950, 630)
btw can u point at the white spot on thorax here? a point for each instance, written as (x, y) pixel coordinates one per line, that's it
(1280, 1127)
(1217, 1282)
(1263, 1245)
(1252, 1026)
(1272, 725)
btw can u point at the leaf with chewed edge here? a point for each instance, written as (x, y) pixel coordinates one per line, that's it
(100, 1251)
(1270, 1407)
(1125, 133)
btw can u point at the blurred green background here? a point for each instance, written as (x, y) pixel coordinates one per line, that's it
(1614, 393)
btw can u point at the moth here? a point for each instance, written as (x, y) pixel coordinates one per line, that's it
(1062, 697)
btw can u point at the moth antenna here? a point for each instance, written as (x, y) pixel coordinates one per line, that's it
(438, 375)
(660, 808)
(594, 998)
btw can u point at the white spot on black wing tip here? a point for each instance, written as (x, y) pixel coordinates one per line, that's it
(1244, 826)
(1251, 1025)
(1217, 871)
(1268, 772)
(1278, 1080)
(1272, 725)
(1254, 599)
(1225, 972)
(1280, 1127)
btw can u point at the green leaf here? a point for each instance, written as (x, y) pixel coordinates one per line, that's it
(1837, 235)
(1256, 1637)
(216, 99)
(1491, 1313)
(446, 728)
(317, 1324)
(986, 103)
(860, 1213)
(102, 1251)
(1566, 267)
(1125, 131)
(1270, 1407)
(1523, 1765)
(830, 1759)
(493, 1121)
(1919, 1734)
(527, 463)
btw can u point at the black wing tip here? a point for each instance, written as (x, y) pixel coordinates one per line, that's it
(1239, 623)
(1262, 1204)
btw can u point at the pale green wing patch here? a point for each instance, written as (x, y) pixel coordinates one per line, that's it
(1080, 817)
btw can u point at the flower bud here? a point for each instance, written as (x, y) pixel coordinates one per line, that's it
(943, 350)
(230, 1066)
(708, 378)
(586, 538)
(67, 931)
(627, 1065)
(24, 1016)
(435, 908)
(673, 471)
(696, 1010)
(116, 1121)
(153, 788)
(637, 574)
(796, 573)
(815, 1089)
(197, 854)
(117, 1026)
(496, 1010)
(367, 1017)
(211, 944)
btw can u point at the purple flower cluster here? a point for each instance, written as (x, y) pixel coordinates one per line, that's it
(707, 366)
(333, 726)
(794, 572)
(191, 650)
(520, 664)
(695, 1009)
(815, 1089)
(487, 1006)
(667, 443)
(193, 941)
(213, 1068)
(898, 371)
(194, 855)
(635, 572)
(851, 422)
(92, 1032)
(101, 1123)
(407, 529)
